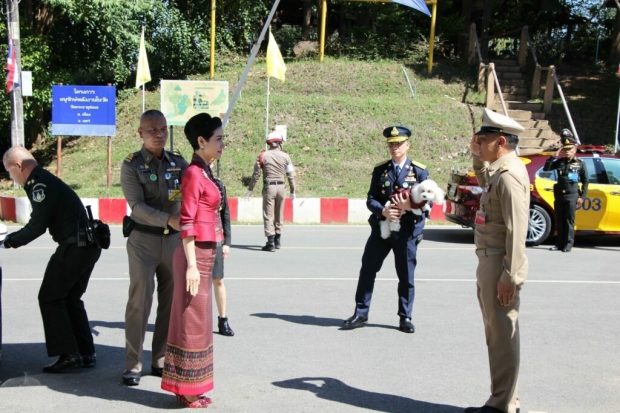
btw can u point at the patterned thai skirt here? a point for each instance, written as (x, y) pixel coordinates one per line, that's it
(188, 364)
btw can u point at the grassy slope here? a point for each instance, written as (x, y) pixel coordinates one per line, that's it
(335, 112)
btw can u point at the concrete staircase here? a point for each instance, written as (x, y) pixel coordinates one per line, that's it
(538, 134)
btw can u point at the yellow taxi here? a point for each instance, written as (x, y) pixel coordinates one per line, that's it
(599, 213)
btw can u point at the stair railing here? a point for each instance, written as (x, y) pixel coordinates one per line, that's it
(492, 79)
(551, 83)
(554, 76)
(485, 71)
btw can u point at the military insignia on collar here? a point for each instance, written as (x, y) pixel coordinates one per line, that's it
(503, 166)
(38, 195)
(394, 131)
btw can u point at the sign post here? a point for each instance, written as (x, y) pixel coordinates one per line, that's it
(84, 111)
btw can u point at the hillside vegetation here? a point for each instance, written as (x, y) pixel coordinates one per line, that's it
(335, 113)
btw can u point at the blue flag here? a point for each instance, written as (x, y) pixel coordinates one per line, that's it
(418, 5)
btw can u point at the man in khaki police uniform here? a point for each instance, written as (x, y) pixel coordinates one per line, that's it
(501, 230)
(150, 179)
(275, 163)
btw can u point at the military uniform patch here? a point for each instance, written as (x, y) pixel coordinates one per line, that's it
(38, 192)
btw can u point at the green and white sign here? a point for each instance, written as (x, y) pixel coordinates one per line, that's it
(182, 99)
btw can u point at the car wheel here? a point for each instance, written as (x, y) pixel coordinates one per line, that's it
(539, 226)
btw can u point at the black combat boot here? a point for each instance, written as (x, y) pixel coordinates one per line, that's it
(276, 241)
(223, 327)
(269, 245)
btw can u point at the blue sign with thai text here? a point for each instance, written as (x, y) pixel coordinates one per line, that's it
(84, 110)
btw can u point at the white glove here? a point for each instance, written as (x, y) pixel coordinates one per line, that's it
(293, 195)
(247, 194)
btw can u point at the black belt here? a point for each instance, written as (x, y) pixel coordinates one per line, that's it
(154, 230)
(274, 182)
(69, 240)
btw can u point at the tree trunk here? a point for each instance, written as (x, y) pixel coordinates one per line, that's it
(305, 33)
(486, 23)
(614, 55)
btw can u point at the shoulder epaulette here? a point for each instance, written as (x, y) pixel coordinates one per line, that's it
(419, 165)
(382, 163)
(175, 152)
(131, 156)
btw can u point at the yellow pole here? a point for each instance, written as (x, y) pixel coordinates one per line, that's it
(212, 39)
(323, 23)
(432, 42)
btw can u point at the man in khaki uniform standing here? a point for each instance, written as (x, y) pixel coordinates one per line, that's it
(150, 179)
(501, 231)
(275, 163)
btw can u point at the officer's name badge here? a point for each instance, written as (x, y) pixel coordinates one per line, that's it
(174, 195)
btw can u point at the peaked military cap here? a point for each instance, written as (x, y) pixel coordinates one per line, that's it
(493, 122)
(396, 134)
(568, 141)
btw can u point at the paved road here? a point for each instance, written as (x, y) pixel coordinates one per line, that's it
(289, 354)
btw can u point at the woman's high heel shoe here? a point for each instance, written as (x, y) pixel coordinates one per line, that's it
(201, 402)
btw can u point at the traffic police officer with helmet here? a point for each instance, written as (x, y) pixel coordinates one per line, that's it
(150, 179)
(275, 163)
(500, 234)
(567, 194)
(387, 177)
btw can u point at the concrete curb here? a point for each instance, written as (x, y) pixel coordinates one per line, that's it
(297, 211)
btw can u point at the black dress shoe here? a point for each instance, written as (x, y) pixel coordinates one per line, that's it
(131, 378)
(355, 321)
(485, 409)
(480, 409)
(567, 249)
(556, 248)
(157, 371)
(64, 362)
(406, 325)
(89, 360)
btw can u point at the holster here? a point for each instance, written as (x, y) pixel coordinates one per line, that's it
(128, 225)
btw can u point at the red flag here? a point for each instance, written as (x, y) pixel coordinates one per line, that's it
(11, 67)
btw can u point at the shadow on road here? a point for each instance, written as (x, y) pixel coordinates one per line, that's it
(22, 363)
(314, 321)
(247, 247)
(450, 234)
(335, 390)
(113, 324)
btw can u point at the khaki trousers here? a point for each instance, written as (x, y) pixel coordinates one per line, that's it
(273, 208)
(150, 258)
(501, 327)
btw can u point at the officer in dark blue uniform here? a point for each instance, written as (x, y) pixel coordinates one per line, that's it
(568, 196)
(387, 177)
(57, 208)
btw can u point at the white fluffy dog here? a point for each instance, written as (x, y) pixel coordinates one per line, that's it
(420, 195)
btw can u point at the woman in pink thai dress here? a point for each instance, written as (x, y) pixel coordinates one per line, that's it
(188, 364)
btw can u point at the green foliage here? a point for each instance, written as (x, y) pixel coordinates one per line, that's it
(96, 41)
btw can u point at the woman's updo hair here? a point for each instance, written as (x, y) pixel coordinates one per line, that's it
(201, 125)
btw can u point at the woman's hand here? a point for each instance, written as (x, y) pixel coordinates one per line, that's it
(225, 251)
(192, 277)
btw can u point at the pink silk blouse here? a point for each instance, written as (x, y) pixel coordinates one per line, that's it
(200, 205)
